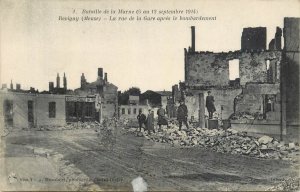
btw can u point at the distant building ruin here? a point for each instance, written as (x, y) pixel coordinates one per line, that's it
(58, 89)
(108, 96)
(94, 101)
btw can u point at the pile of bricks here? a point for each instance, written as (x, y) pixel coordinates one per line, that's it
(224, 141)
(245, 115)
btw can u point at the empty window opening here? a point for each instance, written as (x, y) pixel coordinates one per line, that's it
(30, 111)
(268, 105)
(89, 110)
(52, 109)
(271, 71)
(234, 69)
(268, 64)
(71, 111)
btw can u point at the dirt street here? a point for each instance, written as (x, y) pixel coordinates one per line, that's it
(78, 160)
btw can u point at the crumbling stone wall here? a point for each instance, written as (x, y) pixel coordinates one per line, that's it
(110, 101)
(212, 69)
(192, 103)
(207, 68)
(109, 110)
(253, 66)
(264, 88)
(249, 103)
(108, 92)
(275, 43)
(223, 97)
(248, 100)
(251, 100)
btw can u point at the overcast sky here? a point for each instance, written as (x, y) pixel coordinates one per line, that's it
(35, 45)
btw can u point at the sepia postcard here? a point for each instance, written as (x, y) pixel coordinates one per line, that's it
(141, 95)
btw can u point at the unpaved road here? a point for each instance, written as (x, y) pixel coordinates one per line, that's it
(77, 160)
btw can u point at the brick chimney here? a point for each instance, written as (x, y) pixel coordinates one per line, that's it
(100, 73)
(193, 48)
(57, 81)
(18, 87)
(11, 85)
(82, 81)
(51, 86)
(65, 81)
(105, 77)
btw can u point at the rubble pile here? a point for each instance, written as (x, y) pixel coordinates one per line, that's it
(224, 141)
(83, 125)
(290, 184)
(127, 123)
(72, 126)
(246, 115)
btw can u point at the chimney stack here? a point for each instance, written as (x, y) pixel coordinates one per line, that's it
(51, 86)
(18, 87)
(57, 81)
(105, 77)
(65, 82)
(11, 85)
(278, 35)
(82, 81)
(193, 48)
(100, 73)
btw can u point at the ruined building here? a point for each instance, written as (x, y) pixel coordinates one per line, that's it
(100, 91)
(28, 109)
(17, 88)
(264, 97)
(58, 89)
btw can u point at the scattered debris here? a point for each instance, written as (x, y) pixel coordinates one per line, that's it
(265, 139)
(12, 178)
(292, 146)
(224, 141)
(290, 184)
(246, 115)
(72, 126)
